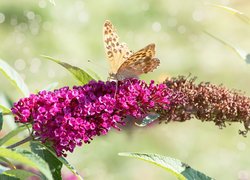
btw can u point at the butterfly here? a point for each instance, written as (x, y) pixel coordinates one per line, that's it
(123, 62)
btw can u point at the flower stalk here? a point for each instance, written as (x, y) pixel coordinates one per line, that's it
(27, 139)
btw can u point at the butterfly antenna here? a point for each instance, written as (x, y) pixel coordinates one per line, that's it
(93, 63)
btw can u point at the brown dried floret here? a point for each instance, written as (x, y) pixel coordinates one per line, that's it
(207, 102)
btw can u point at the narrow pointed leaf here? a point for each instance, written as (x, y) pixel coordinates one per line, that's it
(54, 164)
(69, 166)
(13, 133)
(148, 119)
(93, 74)
(235, 12)
(3, 159)
(241, 53)
(16, 174)
(64, 161)
(27, 158)
(4, 109)
(181, 170)
(14, 77)
(82, 76)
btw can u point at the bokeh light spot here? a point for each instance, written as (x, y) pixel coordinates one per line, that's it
(34, 28)
(20, 64)
(30, 15)
(22, 27)
(198, 15)
(2, 18)
(156, 26)
(35, 65)
(241, 146)
(42, 4)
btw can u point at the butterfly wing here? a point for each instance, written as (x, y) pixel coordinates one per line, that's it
(116, 52)
(141, 62)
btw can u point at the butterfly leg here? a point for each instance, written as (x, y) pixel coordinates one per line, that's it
(116, 88)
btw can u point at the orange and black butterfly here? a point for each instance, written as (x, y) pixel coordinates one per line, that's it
(123, 62)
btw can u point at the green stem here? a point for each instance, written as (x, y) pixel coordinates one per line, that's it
(5, 114)
(20, 142)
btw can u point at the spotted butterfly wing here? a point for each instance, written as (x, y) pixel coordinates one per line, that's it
(124, 64)
(141, 62)
(116, 52)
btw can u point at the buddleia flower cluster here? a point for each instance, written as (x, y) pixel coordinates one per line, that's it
(68, 117)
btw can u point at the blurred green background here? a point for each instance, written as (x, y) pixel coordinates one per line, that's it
(72, 31)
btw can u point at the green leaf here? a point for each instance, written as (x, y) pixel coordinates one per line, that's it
(69, 166)
(93, 74)
(27, 158)
(64, 161)
(3, 159)
(13, 133)
(148, 119)
(16, 174)
(1, 121)
(14, 77)
(5, 110)
(235, 12)
(241, 53)
(181, 170)
(55, 165)
(82, 76)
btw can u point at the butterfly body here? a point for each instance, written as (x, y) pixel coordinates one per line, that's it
(123, 62)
